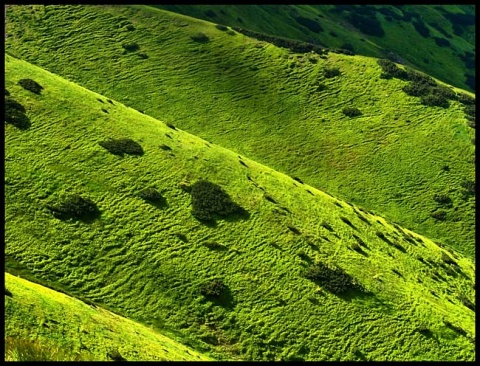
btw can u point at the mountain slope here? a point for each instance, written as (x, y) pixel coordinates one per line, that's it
(444, 36)
(36, 312)
(269, 104)
(161, 266)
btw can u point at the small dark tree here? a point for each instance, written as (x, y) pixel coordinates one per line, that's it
(75, 207)
(200, 37)
(351, 111)
(30, 85)
(210, 200)
(439, 215)
(330, 72)
(130, 46)
(15, 114)
(212, 288)
(122, 146)
(332, 279)
(153, 196)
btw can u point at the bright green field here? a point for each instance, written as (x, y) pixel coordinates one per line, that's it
(262, 102)
(132, 261)
(400, 36)
(58, 320)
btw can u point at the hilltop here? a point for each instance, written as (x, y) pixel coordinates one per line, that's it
(409, 162)
(283, 272)
(436, 39)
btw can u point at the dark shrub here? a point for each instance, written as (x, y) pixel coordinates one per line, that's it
(334, 280)
(310, 24)
(200, 37)
(293, 229)
(443, 199)
(110, 101)
(351, 111)
(270, 198)
(221, 27)
(11, 103)
(7, 92)
(434, 101)
(465, 99)
(421, 28)
(390, 69)
(441, 42)
(469, 110)
(383, 237)
(418, 77)
(30, 85)
(416, 89)
(14, 116)
(330, 72)
(143, 56)
(327, 226)
(348, 222)
(130, 46)
(212, 288)
(75, 207)
(122, 146)
(241, 162)
(153, 196)
(210, 200)
(114, 355)
(104, 110)
(425, 332)
(214, 245)
(8, 293)
(130, 27)
(297, 179)
(444, 92)
(469, 187)
(171, 126)
(439, 215)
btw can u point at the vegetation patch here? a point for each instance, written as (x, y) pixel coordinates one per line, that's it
(331, 72)
(210, 200)
(443, 200)
(439, 215)
(221, 27)
(122, 146)
(15, 114)
(200, 37)
(153, 196)
(74, 206)
(31, 85)
(333, 279)
(351, 111)
(130, 46)
(165, 147)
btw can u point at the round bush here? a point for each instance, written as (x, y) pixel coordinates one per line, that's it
(152, 195)
(213, 288)
(14, 114)
(122, 146)
(130, 46)
(210, 200)
(75, 207)
(200, 37)
(334, 280)
(30, 85)
(351, 111)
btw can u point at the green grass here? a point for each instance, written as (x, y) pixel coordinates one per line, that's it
(263, 102)
(400, 36)
(45, 325)
(149, 264)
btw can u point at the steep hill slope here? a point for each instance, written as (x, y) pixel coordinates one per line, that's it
(34, 312)
(443, 35)
(274, 106)
(253, 286)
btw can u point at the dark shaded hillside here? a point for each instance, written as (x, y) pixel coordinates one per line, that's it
(439, 40)
(284, 109)
(282, 272)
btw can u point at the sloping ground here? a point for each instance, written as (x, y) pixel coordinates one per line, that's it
(275, 107)
(439, 40)
(47, 316)
(157, 263)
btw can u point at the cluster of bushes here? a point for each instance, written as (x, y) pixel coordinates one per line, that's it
(391, 70)
(74, 207)
(122, 146)
(15, 114)
(210, 200)
(31, 85)
(334, 280)
(351, 111)
(293, 45)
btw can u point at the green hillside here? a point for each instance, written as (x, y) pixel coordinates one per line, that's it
(67, 328)
(252, 286)
(438, 39)
(277, 107)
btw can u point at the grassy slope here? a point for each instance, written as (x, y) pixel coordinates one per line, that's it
(132, 260)
(262, 102)
(39, 313)
(442, 62)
